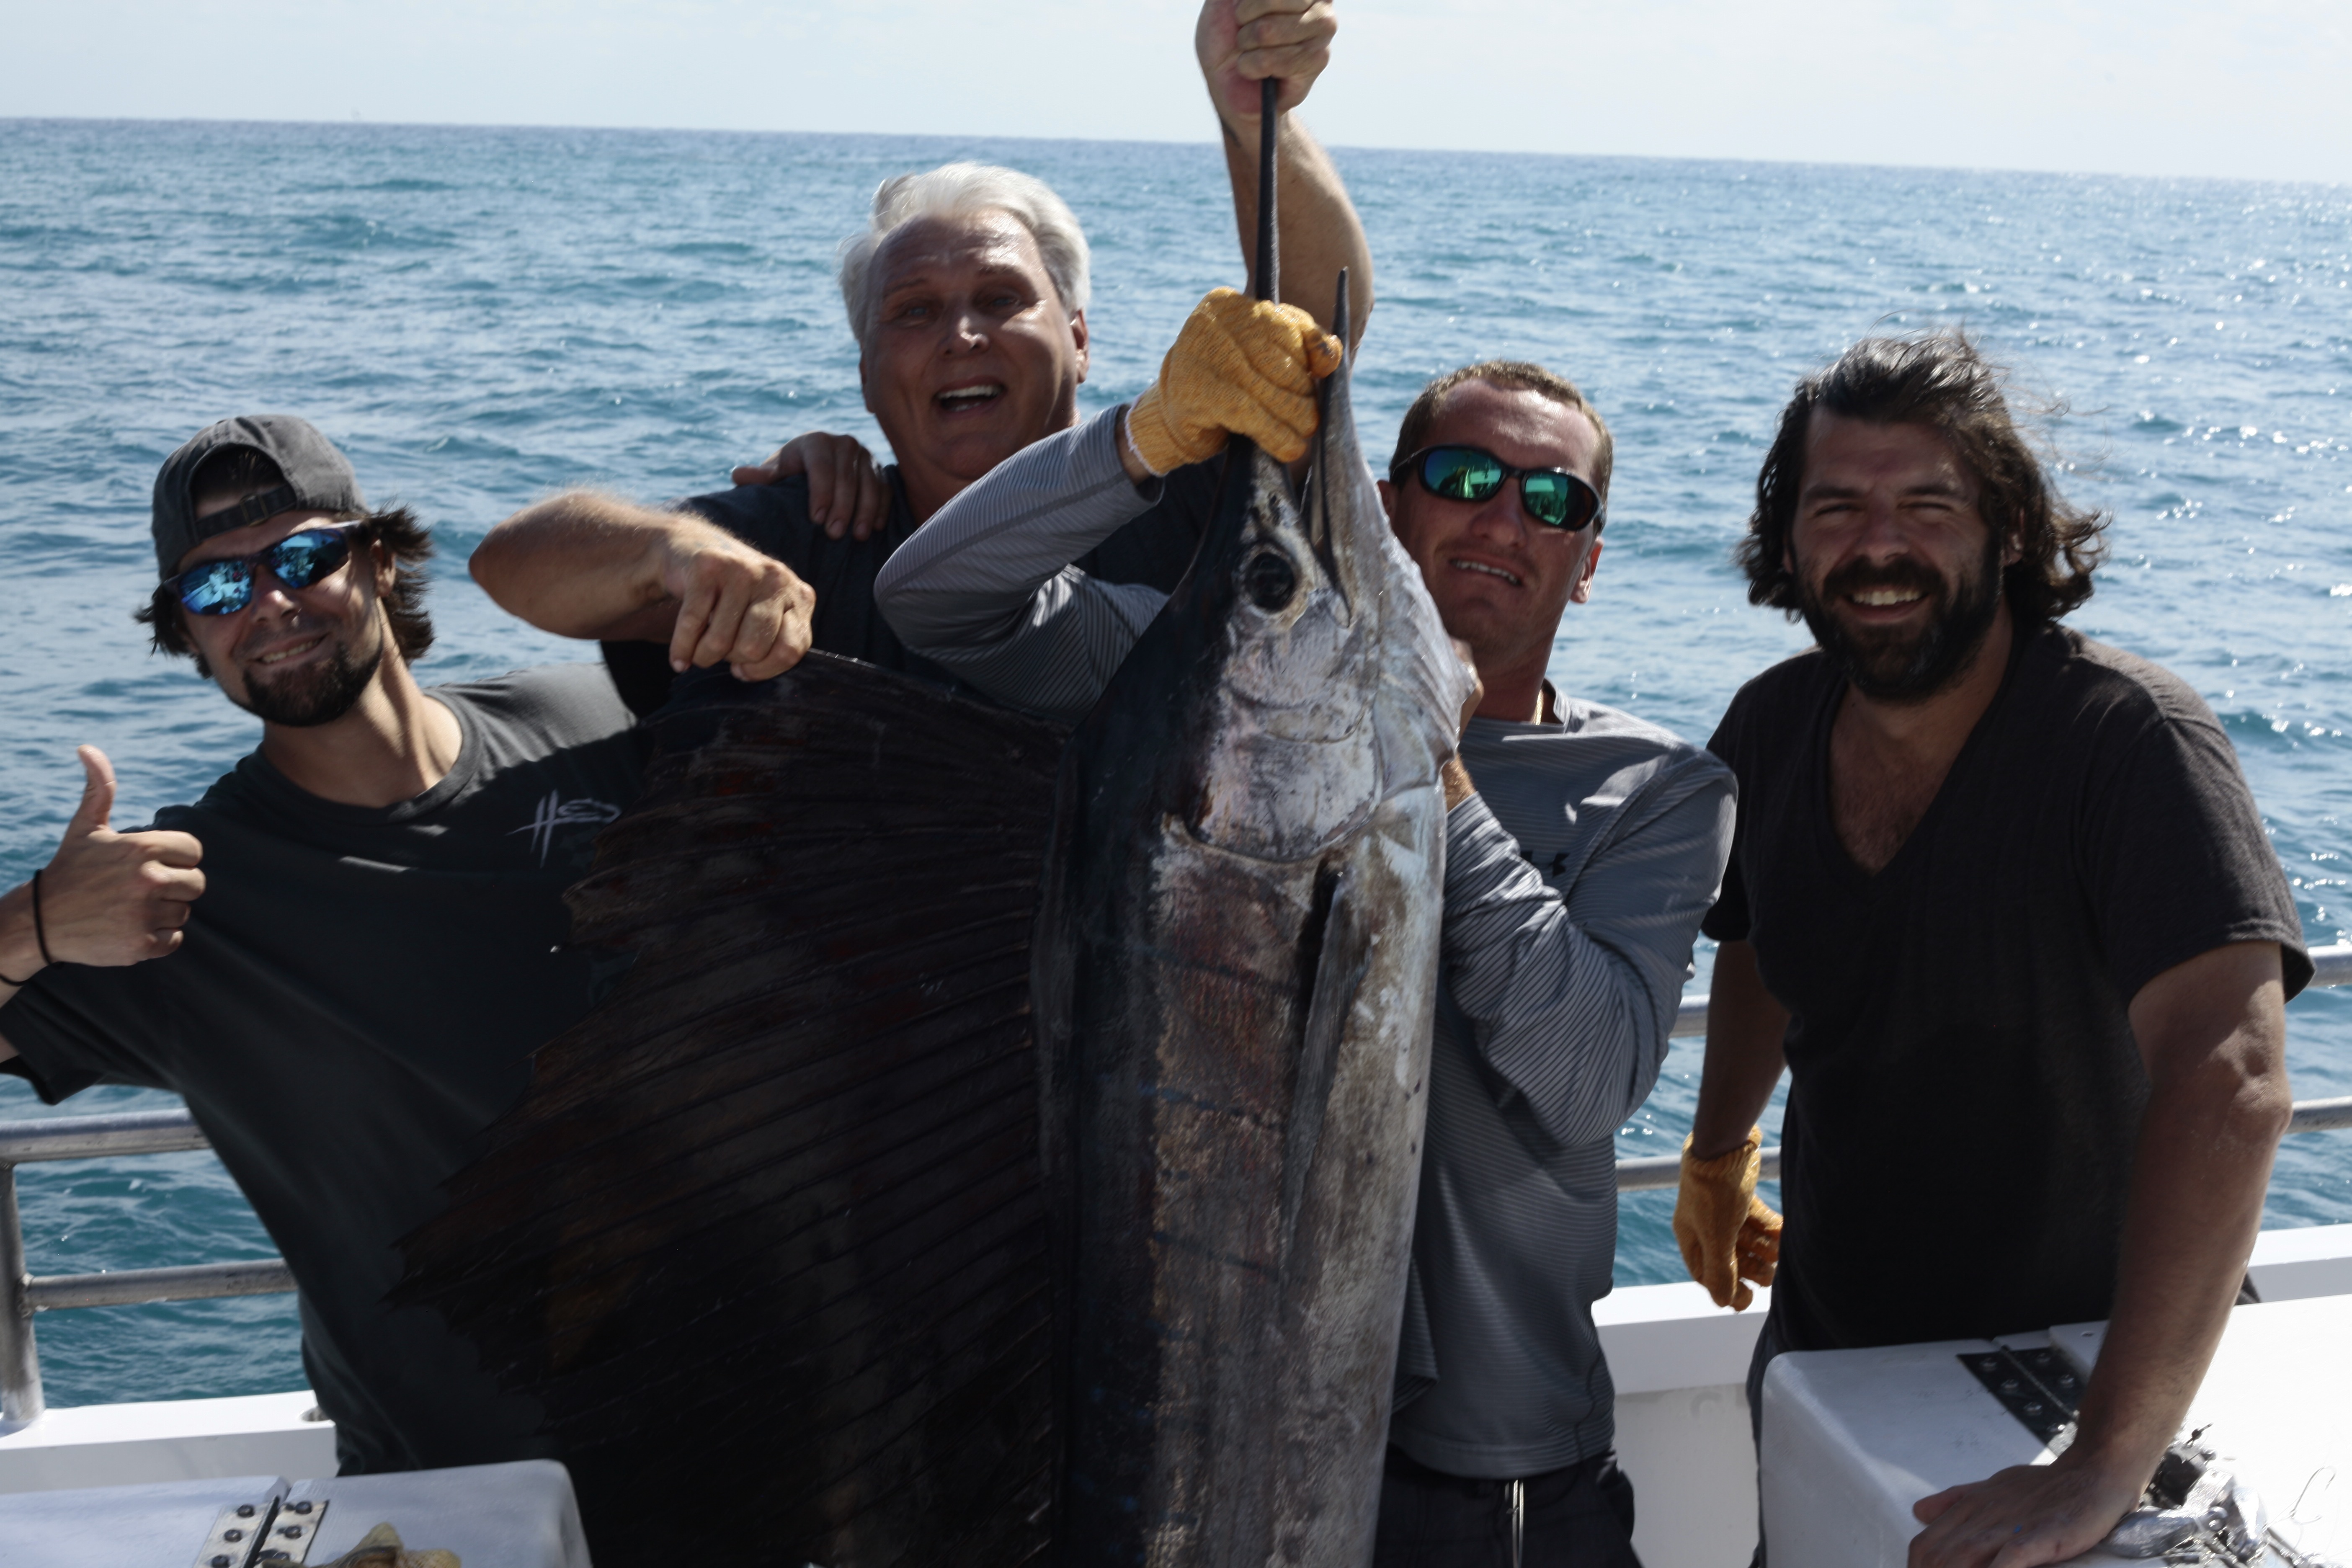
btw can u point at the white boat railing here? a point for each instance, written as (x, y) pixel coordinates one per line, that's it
(22, 1293)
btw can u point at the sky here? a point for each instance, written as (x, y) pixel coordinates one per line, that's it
(2254, 90)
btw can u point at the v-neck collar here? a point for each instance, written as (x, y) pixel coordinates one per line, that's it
(1832, 848)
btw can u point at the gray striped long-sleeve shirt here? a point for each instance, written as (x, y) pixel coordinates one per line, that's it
(1575, 880)
(988, 581)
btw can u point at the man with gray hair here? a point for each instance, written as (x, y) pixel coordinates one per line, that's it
(967, 293)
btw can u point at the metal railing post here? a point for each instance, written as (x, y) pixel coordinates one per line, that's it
(20, 1361)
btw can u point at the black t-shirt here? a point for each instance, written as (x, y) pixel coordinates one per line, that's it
(1153, 549)
(1964, 1091)
(358, 997)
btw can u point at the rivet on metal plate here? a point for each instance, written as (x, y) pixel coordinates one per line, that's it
(228, 1543)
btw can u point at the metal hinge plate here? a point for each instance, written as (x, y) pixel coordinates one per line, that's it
(248, 1534)
(235, 1531)
(291, 1532)
(2035, 1386)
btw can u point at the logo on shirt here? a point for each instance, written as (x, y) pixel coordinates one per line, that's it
(555, 812)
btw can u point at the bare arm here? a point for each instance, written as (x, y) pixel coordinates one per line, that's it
(1744, 1030)
(583, 564)
(1241, 42)
(2213, 1034)
(20, 950)
(1729, 1238)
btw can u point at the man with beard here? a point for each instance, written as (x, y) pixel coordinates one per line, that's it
(2001, 904)
(343, 955)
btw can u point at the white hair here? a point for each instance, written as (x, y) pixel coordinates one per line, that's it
(959, 190)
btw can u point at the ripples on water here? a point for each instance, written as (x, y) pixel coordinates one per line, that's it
(479, 316)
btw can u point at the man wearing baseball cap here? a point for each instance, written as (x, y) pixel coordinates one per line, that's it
(345, 953)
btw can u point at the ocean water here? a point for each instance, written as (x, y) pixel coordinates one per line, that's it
(480, 316)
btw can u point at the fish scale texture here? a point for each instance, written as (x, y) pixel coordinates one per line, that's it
(765, 1238)
(1235, 981)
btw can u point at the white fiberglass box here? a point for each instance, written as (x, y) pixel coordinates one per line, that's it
(1852, 1438)
(518, 1515)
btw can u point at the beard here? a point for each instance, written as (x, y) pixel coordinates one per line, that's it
(316, 694)
(1906, 666)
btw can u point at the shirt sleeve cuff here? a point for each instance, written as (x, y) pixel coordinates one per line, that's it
(1098, 460)
(53, 1088)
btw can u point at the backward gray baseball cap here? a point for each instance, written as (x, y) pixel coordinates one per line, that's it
(317, 478)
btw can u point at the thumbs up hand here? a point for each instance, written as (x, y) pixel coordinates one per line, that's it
(106, 898)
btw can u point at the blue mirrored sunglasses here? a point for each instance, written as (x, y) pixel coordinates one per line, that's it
(298, 560)
(1553, 497)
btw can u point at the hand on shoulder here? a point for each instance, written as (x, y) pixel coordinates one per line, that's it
(106, 899)
(848, 494)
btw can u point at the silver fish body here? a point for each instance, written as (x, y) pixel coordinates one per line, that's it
(1235, 975)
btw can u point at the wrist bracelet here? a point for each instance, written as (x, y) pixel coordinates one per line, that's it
(20, 984)
(40, 930)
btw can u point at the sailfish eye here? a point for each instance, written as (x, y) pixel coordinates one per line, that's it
(1269, 579)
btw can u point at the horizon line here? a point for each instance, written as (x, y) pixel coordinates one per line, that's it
(1203, 142)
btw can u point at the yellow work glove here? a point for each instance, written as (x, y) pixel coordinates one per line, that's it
(1240, 367)
(1727, 1236)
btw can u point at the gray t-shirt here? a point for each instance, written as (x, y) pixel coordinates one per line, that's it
(358, 997)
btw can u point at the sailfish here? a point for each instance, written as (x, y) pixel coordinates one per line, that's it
(1002, 1147)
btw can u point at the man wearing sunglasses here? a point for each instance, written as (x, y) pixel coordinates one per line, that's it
(345, 953)
(1583, 846)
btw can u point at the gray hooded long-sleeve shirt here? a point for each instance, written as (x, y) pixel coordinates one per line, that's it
(1575, 879)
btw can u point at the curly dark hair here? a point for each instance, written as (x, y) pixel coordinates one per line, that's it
(1940, 381)
(237, 471)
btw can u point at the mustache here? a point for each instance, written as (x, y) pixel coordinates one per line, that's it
(1903, 571)
(260, 640)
